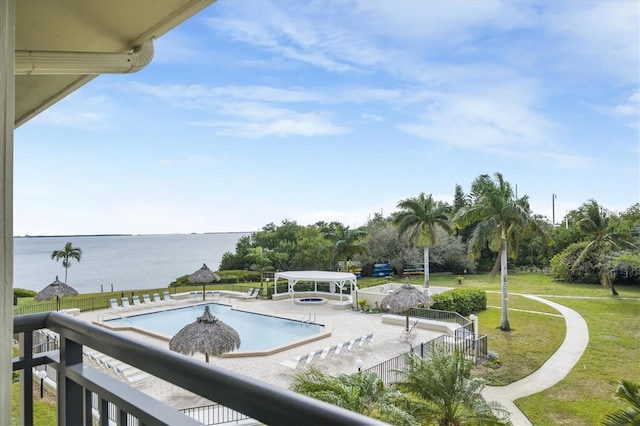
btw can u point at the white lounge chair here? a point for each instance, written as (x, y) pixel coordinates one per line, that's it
(136, 301)
(252, 295)
(293, 364)
(407, 335)
(156, 297)
(167, 297)
(114, 304)
(146, 298)
(125, 302)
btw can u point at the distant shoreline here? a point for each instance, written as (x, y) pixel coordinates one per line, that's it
(125, 235)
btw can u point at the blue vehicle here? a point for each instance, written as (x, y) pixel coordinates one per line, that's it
(382, 270)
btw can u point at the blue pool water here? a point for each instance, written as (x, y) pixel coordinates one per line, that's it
(257, 332)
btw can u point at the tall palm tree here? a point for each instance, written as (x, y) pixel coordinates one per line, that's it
(602, 239)
(443, 393)
(361, 392)
(346, 243)
(66, 254)
(419, 218)
(630, 393)
(498, 217)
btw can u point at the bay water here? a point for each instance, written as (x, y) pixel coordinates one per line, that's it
(126, 262)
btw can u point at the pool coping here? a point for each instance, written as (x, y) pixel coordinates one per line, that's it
(235, 354)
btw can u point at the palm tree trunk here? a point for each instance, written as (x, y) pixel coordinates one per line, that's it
(426, 268)
(504, 323)
(608, 282)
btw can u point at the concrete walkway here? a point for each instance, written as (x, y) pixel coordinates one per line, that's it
(553, 371)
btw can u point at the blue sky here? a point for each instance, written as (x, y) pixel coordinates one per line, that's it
(254, 112)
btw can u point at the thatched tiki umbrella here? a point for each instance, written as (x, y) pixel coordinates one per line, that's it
(405, 298)
(208, 335)
(203, 276)
(56, 289)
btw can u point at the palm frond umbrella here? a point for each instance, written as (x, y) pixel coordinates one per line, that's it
(405, 298)
(203, 276)
(55, 290)
(208, 335)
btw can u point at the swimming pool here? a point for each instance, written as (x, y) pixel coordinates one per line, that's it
(259, 334)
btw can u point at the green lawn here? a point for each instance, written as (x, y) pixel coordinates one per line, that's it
(586, 394)
(44, 412)
(523, 349)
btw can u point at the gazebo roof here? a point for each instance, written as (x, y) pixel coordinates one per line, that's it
(322, 276)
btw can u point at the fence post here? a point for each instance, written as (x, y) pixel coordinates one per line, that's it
(474, 318)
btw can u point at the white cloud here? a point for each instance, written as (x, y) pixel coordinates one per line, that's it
(78, 110)
(371, 117)
(600, 36)
(288, 124)
(492, 118)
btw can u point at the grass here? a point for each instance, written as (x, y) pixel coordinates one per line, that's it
(585, 396)
(44, 412)
(523, 349)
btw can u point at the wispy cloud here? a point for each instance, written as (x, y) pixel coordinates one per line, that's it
(288, 124)
(80, 111)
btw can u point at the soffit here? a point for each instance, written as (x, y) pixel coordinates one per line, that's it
(85, 26)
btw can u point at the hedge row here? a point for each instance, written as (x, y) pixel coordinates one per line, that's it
(464, 301)
(226, 277)
(21, 292)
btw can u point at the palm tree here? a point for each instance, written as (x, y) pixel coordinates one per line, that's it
(361, 392)
(602, 239)
(498, 217)
(443, 393)
(630, 393)
(346, 244)
(69, 252)
(419, 218)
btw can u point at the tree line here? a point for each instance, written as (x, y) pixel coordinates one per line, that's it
(488, 229)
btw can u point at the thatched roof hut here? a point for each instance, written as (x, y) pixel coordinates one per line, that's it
(203, 276)
(405, 298)
(55, 290)
(207, 335)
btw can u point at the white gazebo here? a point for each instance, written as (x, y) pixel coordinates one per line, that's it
(335, 279)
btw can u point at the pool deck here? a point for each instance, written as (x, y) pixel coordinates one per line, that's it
(344, 325)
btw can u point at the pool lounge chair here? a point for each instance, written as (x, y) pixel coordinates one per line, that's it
(114, 304)
(125, 302)
(293, 364)
(407, 335)
(252, 295)
(136, 301)
(146, 298)
(167, 297)
(156, 297)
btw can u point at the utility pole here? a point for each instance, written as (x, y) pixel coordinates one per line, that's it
(553, 210)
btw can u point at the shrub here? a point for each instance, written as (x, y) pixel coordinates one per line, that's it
(464, 301)
(239, 276)
(21, 292)
(181, 281)
(562, 263)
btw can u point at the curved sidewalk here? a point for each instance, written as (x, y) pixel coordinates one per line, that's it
(551, 372)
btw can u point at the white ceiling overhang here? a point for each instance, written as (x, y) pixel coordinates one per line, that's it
(61, 45)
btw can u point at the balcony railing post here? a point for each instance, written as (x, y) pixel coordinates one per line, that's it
(26, 379)
(70, 394)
